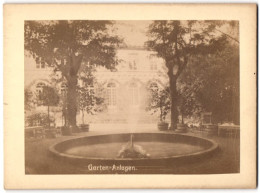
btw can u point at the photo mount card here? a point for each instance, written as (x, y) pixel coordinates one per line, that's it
(130, 96)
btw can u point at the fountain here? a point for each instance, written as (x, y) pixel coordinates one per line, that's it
(130, 150)
(145, 149)
(134, 147)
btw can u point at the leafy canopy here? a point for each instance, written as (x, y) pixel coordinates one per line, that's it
(63, 43)
(159, 101)
(177, 41)
(90, 92)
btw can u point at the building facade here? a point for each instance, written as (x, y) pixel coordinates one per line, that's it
(125, 90)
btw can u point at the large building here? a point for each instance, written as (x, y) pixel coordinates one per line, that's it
(126, 89)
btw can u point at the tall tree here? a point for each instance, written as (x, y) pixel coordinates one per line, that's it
(64, 45)
(176, 42)
(213, 81)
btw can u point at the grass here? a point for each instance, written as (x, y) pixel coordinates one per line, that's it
(38, 160)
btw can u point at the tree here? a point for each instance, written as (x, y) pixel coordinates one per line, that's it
(49, 97)
(211, 82)
(159, 100)
(90, 97)
(178, 41)
(37, 119)
(188, 104)
(65, 45)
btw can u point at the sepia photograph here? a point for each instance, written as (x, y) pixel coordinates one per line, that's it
(130, 96)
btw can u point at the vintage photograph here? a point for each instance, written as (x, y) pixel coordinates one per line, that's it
(131, 96)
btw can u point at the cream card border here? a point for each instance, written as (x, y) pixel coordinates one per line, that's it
(14, 16)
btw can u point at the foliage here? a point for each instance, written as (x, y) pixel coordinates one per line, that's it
(65, 45)
(90, 93)
(212, 82)
(38, 119)
(48, 96)
(159, 101)
(90, 101)
(188, 104)
(58, 42)
(177, 42)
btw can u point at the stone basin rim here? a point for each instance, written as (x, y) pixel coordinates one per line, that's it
(214, 146)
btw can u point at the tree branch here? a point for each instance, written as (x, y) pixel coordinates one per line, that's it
(60, 67)
(227, 35)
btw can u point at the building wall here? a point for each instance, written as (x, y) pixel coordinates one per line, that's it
(126, 89)
(136, 71)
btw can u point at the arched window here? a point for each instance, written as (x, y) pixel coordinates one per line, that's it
(112, 94)
(63, 89)
(134, 94)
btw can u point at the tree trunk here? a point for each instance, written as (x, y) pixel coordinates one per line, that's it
(65, 112)
(70, 73)
(83, 117)
(65, 116)
(49, 124)
(161, 117)
(72, 103)
(174, 98)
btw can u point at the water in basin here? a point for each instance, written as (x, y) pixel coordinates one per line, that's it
(154, 148)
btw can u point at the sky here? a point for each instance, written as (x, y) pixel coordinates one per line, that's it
(133, 32)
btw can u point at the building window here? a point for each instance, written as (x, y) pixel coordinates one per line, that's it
(134, 94)
(63, 89)
(111, 94)
(40, 63)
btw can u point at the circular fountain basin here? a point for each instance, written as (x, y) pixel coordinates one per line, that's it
(159, 146)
